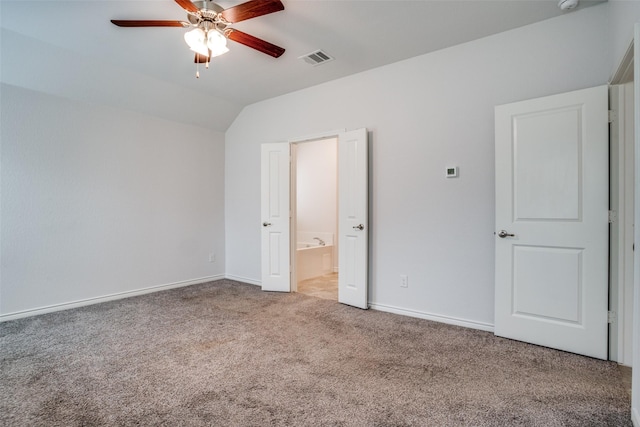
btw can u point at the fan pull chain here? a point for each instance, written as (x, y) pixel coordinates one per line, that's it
(197, 70)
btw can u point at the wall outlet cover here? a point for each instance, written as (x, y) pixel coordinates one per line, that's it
(404, 281)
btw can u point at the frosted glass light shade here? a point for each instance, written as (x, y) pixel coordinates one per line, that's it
(197, 41)
(217, 43)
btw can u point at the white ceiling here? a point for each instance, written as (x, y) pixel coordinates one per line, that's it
(360, 34)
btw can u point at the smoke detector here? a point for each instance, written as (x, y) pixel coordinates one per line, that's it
(568, 4)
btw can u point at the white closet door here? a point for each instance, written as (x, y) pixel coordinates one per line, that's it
(552, 191)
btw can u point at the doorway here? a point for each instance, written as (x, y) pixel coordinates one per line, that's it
(278, 240)
(315, 217)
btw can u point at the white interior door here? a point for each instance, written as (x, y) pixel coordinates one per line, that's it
(276, 270)
(552, 221)
(353, 223)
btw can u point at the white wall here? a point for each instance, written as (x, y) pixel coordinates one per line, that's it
(317, 177)
(622, 15)
(424, 114)
(98, 201)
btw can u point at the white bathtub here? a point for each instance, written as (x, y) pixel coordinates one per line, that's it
(313, 260)
(309, 245)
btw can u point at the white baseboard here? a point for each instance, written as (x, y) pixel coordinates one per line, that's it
(381, 307)
(435, 317)
(243, 279)
(635, 417)
(488, 327)
(111, 297)
(404, 312)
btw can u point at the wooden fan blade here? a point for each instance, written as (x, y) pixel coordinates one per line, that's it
(126, 23)
(251, 9)
(255, 43)
(188, 6)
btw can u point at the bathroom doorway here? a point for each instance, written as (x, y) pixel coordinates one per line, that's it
(314, 225)
(278, 210)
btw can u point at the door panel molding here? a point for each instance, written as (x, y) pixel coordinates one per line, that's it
(552, 199)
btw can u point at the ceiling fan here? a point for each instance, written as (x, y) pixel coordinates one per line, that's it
(210, 26)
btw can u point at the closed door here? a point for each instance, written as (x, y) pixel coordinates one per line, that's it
(552, 221)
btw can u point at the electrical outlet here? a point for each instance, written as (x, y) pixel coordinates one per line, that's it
(212, 257)
(404, 281)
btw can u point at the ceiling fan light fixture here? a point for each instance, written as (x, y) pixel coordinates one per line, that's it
(197, 41)
(217, 43)
(208, 25)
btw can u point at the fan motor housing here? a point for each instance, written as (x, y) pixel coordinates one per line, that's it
(208, 11)
(207, 5)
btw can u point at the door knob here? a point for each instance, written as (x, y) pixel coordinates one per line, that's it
(502, 234)
(358, 227)
(266, 224)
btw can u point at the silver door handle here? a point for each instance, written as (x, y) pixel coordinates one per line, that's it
(358, 227)
(502, 234)
(266, 224)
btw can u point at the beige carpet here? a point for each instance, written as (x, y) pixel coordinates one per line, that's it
(227, 354)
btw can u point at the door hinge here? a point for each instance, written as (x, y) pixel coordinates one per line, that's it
(613, 116)
(613, 216)
(611, 316)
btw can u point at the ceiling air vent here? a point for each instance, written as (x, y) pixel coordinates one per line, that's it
(316, 58)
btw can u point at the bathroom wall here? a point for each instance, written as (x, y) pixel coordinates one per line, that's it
(317, 182)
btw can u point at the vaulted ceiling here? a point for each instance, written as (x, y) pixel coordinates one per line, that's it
(71, 49)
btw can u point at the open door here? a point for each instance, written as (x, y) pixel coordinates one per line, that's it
(552, 225)
(276, 266)
(353, 225)
(353, 212)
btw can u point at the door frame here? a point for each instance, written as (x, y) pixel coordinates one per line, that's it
(631, 64)
(621, 226)
(622, 187)
(635, 384)
(293, 194)
(293, 223)
(354, 160)
(293, 202)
